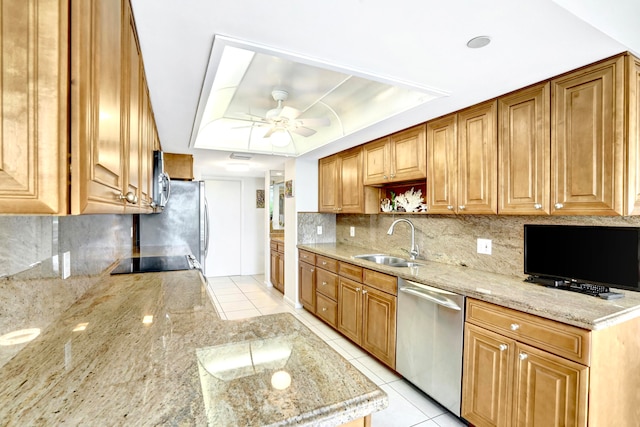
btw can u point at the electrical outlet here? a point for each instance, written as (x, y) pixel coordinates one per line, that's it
(319, 230)
(352, 231)
(56, 264)
(484, 246)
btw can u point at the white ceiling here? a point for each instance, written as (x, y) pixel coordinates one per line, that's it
(418, 42)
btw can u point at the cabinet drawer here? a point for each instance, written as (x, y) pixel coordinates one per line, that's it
(327, 309)
(381, 281)
(308, 257)
(327, 263)
(558, 338)
(327, 283)
(350, 271)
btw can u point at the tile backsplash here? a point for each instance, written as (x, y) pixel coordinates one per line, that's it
(449, 239)
(32, 291)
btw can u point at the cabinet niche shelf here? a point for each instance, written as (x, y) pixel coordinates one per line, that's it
(401, 188)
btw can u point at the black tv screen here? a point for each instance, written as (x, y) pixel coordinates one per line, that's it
(585, 254)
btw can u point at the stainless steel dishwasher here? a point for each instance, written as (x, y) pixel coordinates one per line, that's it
(429, 341)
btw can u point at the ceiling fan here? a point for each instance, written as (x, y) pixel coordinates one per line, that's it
(285, 119)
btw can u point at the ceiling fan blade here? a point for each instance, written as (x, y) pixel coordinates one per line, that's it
(270, 132)
(320, 121)
(302, 131)
(289, 112)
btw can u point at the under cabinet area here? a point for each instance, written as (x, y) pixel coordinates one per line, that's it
(359, 303)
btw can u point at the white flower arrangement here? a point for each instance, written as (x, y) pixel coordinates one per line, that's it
(411, 201)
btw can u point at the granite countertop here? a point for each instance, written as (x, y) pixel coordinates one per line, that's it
(101, 361)
(572, 308)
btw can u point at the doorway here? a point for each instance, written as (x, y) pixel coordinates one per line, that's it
(225, 227)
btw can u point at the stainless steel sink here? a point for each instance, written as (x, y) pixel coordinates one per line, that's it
(381, 258)
(405, 264)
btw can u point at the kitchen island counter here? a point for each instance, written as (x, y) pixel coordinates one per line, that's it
(150, 349)
(572, 308)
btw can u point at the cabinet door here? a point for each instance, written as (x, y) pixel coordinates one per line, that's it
(97, 131)
(328, 192)
(350, 182)
(633, 117)
(132, 98)
(442, 159)
(524, 142)
(307, 286)
(376, 160)
(280, 279)
(34, 82)
(548, 390)
(408, 154)
(588, 141)
(379, 325)
(487, 376)
(477, 159)
(273, 271)
(350, 309)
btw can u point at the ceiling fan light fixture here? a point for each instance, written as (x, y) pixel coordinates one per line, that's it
(280, 138)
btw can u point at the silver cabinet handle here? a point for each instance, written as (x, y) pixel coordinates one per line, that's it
(312, 270)
(357, 289)
(324, 308)
(559, 206)
(324, 283)
(450, 207)
(461, 207)
(515, 326)
(324, 262)
(393, 175)
(364, 291)
(537, 206)
(385, 177)
(523, 356)
(503, 347)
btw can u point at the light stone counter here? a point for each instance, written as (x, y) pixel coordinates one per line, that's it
(567, 307)
(101, 364)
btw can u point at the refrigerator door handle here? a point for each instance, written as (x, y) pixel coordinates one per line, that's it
(206, 228)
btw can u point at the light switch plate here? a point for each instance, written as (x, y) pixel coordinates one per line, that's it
(484, 246)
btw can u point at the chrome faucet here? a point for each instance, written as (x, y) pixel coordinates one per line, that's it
(414, 249)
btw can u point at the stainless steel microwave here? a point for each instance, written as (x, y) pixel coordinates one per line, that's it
(161, 182)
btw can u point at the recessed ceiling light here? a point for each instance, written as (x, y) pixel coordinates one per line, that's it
(478, 42)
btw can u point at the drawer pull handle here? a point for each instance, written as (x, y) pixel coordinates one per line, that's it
(324, 262)
(461, 207)
(537, 206)
(523, 356)
(558, 206)
(450, 207)
(503, 347)
(515, 326)
(324, 308)
(324, 283)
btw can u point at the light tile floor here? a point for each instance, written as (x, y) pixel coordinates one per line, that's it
(238, 297)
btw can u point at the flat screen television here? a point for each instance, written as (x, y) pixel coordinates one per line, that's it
(598, 255)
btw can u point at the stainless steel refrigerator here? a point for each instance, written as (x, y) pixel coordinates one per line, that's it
(182, 228)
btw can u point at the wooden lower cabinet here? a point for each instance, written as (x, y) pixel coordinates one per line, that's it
(277, 265)
(507, 383)
(350, 309)
(307, 286)
(379, 324)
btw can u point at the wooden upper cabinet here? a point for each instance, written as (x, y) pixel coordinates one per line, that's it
(588, 140)
(477, 159)
(524, 139)
(442, 167)
(633, 123)
(340, 188)
(399, 157)
(97, 136)
(328, 189)
(34, 83)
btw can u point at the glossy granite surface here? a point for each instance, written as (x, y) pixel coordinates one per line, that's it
(100, 363)
(568, 307)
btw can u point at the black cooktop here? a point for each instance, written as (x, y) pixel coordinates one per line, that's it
(152, 264)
